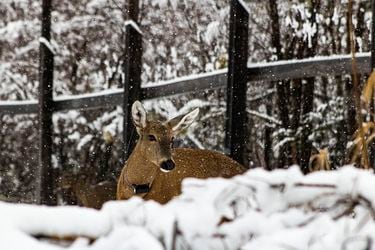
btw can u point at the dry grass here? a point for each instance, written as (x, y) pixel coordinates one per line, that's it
(368, 90)
(356, 91)
(355, 151)
(364, 136)
(320, 161)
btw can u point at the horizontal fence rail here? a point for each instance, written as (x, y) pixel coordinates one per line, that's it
(19, 107)
(273, 71)
(103, 99)
(183, 85)
(319, 66)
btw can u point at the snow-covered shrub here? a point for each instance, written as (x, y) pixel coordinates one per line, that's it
(282, 209)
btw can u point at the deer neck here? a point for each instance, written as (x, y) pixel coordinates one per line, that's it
(139, 170)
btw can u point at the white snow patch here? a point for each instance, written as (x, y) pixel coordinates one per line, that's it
(91, 95)
(312, 59)
(257, 210)
(134, 25)
(212, 31)
(20, 103)
(185, 78)
(86, 139)
(244, 5)
(47, 43)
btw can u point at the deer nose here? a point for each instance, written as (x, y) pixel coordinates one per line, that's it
(167, 165)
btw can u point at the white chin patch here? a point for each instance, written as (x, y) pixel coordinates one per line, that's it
(165, 171)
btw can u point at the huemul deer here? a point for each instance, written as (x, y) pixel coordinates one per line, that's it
(89, 195)
(148, 171)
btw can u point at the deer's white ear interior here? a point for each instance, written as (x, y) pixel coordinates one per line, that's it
(186, 121)
(139, 115)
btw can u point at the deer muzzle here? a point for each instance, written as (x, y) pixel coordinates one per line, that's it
(167, 165)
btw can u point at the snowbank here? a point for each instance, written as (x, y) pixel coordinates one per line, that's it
(281, 209)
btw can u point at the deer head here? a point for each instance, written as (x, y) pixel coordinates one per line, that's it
(156, 138)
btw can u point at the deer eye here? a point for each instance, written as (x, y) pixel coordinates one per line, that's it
(172, 142)
(151, 138)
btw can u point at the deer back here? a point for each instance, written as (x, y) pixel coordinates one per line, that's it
(87, 194)
(189, 162)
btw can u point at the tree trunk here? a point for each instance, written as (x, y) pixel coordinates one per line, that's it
(349, 100)
(308, 95)
(282, 88)
(268, 159)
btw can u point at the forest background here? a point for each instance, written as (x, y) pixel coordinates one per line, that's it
(287, 120)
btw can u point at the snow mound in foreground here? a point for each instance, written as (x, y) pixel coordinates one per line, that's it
(281, 209)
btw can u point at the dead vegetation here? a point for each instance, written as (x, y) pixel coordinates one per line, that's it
(320, 161)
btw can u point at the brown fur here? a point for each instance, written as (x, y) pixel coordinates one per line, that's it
(90, 195)
(143, 165)
(189, 163)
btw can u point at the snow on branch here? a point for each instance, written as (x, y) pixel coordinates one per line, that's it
(265, 117)
(281, 143)
(262, 95)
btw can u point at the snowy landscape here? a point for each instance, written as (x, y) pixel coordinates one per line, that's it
(282, 209)
(306, 108)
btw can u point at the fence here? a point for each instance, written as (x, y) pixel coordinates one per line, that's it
(234, 79)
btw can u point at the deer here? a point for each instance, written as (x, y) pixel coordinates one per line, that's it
(87, 194)
(155, 169)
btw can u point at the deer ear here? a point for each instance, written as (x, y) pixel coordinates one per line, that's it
(139, 115)
(181, 122)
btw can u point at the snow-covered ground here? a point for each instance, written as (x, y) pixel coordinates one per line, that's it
(281, 209)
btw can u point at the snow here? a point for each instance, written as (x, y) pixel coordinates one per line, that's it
(244, 5)
(90, 95)
(86, 139)
(185, 78)
(134, 25)
(54, 220)
(18, 103)
(212, 31)
(264, 116)
(312, 59)
(281, 143)
(13, 30)
(282, 209)
(47, 43)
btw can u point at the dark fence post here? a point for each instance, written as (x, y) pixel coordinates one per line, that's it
(132, 84)
(45, 181)
(373, 36)
(133, 10)
(237, 80)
